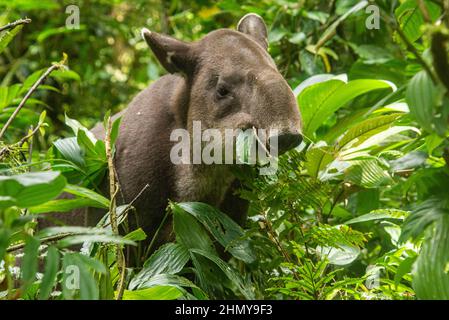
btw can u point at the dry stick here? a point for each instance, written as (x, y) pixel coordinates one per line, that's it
(112, 209)
(27, 96)
(15, 24)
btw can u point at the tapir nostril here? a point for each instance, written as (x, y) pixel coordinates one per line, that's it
(285, 142)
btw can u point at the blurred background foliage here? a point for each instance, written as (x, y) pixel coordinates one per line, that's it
(112, 63)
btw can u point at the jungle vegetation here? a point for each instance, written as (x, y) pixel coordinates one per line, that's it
(359, 211)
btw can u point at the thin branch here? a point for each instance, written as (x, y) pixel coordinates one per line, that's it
(411, 48)
(15, 24)
(28, 95)
(30, 135)
(156, 234)
(43, 240)
(113, 190)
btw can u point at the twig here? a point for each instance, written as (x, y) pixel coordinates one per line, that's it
(15, 24)
(112, 209)
(30, 135)
(156, 234)
(129, 205)
(27, 96)
(412, 49)
(43, 240)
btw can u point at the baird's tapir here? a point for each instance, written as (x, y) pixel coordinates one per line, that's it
(225, 80)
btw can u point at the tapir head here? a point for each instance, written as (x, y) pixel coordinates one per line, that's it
(233, 82)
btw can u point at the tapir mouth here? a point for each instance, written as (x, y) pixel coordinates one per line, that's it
(284, 142)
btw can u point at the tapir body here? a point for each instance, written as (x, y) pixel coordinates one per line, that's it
(225, 80)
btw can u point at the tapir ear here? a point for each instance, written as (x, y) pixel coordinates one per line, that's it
(174, 55)
(253, 25)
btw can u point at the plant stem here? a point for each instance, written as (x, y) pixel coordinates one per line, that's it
(43, 240)
(112, 209)
(28, 95)
(147, 252)
(410, 47)
(15, 24)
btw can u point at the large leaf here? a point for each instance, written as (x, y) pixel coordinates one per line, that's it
(368, 174)
(430, 272)
(30, 189)
(228, 233)
(29, 262)
(366, 129)
(341, 256)
(154, 293)
(411, 19)
(318, 102)
(64, 205)
(230, 273)
(78, 281)
(422, 97)
(168, 259)
(381, 214)
(51, 270)
(189, 232)
(427, 213)
(87, 193)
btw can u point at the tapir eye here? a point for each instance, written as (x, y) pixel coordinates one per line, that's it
(222, 92)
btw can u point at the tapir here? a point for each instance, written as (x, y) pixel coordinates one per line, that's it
(225, 80)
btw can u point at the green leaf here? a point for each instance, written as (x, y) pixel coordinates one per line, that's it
(168, 259)
(368, 174)
(430, 211)
(366, 129)
(404, 267)
(411, 18)
(76, 126)
(51, 270)
(422, 97)
(173, 281)
(5, 235)
(317, 160)
(341, 256)
(318, 102)
(230, 273)
(333, 27)
(30, 189)
(228, 233)
(64, 205)
(188, 231)
(78, 280)
(87, 193)
(154, 293)
(381, 214)
(70, 150)
(7, 36)
(136, 235)
(29, 262)
(430, 271)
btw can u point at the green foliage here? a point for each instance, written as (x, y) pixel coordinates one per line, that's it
(358, 211)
